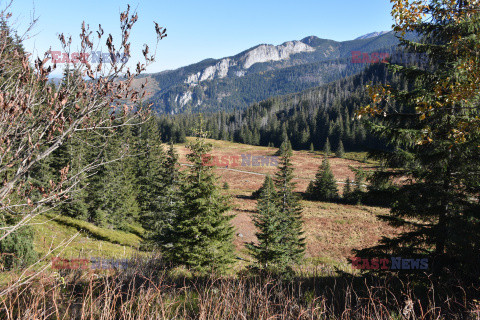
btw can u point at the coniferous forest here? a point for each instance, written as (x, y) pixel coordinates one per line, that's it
(367, 208)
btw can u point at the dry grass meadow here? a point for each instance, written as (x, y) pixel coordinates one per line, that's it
(332, 230)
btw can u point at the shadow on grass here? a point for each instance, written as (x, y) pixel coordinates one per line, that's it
(149, 289)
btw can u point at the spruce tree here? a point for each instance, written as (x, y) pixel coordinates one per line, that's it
(124, 208)
(271, 253)
(150, 165)
(18, 247)
(340, 152)
(290, 209)
(168, 200)
(324, 187)
(113, 192)
(257, 193)
(200, 236)
(347, 190)
(434, 121)
(326, 148)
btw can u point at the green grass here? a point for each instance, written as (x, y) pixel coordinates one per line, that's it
(92, 241)
(113, 236)
(87, 241)
(359, 156)
(231, 146)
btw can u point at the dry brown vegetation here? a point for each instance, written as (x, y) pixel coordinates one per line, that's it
(332, 230)
(147, 291)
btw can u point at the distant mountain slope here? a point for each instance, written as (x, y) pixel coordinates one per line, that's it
(372, 35)
(308, 118)
(259, 73)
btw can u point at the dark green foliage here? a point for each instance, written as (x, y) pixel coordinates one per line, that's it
(168, 199)
(324, 187)
(150, 175)
(172, 129)
(347, 190)
(17, 249)
(340, 152)
(256, 194)
(289, 207)
(326, 148)
(278, 220)
(200, 236)
(360, 180)
(357, 192)
(438, 206)
(115, 193)
(272, 253)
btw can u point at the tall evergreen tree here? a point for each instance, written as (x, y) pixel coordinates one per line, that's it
(257, 193)
(113, 192)
(271, 252)
(200, 236)
(169, 201)
(433, 122)
(326, 148)
(150, 171)
(340, 152)
(289, 207)
(347, 190)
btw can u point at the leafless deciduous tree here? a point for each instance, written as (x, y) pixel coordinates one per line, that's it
(36, 117)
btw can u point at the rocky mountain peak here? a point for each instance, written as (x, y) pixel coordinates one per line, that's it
(372, 35)
(268, 52)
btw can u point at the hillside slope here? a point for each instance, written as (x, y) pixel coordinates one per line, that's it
(260, 72)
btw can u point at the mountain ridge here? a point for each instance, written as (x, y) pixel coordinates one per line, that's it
(372, 35)
(260, 72)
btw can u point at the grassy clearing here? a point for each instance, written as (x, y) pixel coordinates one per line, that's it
(92, 241)
(51, 231)
(113, 236)
(331, 230)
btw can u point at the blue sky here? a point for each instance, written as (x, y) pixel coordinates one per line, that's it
(202, 29)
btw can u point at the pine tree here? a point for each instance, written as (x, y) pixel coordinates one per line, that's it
(289, 207)
(200, 236)
(326, 148)
(17, 247)
(340, 152)
(257, 193)
(312, 148)
(324, 187)
(150, 171)
(439, 150)
(169, 200)
(113, 189)
(347, 190)
(271, 253)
